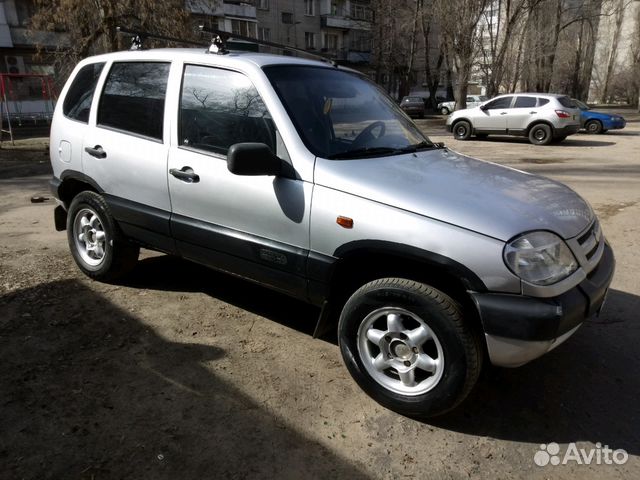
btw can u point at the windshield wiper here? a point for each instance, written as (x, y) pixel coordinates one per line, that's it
(364, 152)
(417, 146)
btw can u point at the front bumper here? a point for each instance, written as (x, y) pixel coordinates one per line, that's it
(519, 328)
(615, 124)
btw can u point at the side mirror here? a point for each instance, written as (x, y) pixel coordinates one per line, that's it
(253, 159)
(483, 108)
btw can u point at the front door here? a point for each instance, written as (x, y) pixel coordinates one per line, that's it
(253, 226)
(493, 118)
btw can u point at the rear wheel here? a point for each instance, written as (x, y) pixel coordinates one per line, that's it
(408, 347)
(95, 241)
(593, 126)
(540, 134)
(462, 130)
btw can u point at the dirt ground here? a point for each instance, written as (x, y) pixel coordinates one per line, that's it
(181, 372)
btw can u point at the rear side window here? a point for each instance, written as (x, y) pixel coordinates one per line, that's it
(133, 98)
(77, 103)
(542, 101)
(525, 102)
(567, 102)
(219, 108)
(503, 102)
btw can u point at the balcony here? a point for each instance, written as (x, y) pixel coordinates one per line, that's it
(344, 23)
(241, 10)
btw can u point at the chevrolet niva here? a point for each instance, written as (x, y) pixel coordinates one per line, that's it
(307, 178)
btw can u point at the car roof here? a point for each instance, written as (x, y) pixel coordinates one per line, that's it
(532, 94)
(202, 55)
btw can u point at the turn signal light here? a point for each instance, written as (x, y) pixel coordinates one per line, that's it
(345, 222)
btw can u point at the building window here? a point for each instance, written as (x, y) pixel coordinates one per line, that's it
(361, 12)
(243, 28)
(308, 7)
(310, 40)
(287, 17)
(263, 4)
(360, 41)
(264, 34)
(330, 41)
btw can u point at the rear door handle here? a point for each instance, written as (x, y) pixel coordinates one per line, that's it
(186, 174)
(96, 151)
(532, 113)
(503, 113)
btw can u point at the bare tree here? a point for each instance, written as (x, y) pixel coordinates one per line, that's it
(91, 24)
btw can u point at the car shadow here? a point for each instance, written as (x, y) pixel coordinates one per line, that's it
(87, 390)
(568, 142)
(585, 390)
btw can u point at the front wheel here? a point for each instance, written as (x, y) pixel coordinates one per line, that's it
(593, 126)
(95, 240)
(408, 347)
(444, 111)
(462, 130)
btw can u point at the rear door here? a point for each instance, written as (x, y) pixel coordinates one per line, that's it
(126, 149)
(253, 226)
(493, 119)
(521, 114)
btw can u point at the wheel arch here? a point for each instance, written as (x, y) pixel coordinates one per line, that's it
(72, 183)
(362, 261)
(540, 122)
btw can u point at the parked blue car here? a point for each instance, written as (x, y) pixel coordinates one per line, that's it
(598, 122)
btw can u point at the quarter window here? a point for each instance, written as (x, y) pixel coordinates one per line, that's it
(542, 101)
(133, 98)
(77, 103)
(499, 103)
(525, 102)
(219, 108)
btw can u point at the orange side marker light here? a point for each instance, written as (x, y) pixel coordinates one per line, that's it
(345, 222)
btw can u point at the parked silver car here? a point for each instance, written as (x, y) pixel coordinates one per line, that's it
(543, 118)
(308, 179)
(445, 108)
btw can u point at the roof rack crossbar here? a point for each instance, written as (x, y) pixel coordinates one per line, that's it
(221, 37)
(138, 37)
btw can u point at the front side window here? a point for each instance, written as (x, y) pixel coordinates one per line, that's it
(133, 98)
(499, 103)
(77, 103)
(339, 114)
(525, 102)
(219, 108)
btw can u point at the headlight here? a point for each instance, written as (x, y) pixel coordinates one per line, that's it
(541, 258)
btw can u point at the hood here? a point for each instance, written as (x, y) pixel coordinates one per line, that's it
(491, 199)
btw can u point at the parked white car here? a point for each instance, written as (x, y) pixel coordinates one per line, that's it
(446, 108)
(542, 117)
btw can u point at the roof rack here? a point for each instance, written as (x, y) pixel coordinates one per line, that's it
(138, 38)
(220, 38)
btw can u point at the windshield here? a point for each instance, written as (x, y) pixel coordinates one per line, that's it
(340, 114)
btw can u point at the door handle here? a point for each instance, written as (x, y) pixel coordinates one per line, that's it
(186, 174)
(96, 151)
(531, 113)
(503, 113)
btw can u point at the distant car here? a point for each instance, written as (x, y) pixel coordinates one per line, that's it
(598, 122)
(542, 117)
(413, 106)
(446, 108)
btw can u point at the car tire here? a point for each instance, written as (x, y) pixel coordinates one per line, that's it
(444, 111)
(95, 240)
(482, 136)
(540, 134)
(461, 130)
(391, 327)
(593, 126)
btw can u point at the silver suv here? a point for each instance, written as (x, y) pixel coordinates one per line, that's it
(543, 118)
(308, 179)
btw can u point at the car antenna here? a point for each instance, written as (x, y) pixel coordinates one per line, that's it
(220, 38)
(139, 37)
